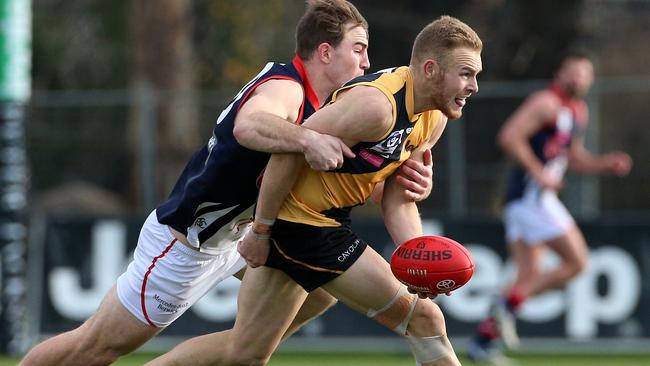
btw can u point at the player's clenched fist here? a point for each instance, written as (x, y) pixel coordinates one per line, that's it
(254, 247)
(325, 152)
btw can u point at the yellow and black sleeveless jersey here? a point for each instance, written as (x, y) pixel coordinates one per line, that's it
(325, 198)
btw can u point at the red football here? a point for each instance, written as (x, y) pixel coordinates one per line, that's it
(433, 264)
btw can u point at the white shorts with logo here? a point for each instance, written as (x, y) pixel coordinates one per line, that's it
(166, 277)
(536, 219)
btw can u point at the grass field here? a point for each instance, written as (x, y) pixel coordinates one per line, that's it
(378, 359)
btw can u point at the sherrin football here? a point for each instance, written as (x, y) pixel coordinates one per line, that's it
(434, 264)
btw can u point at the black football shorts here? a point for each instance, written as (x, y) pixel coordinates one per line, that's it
(312, 255)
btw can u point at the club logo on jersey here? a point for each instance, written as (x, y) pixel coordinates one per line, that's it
(200, 222)
(388, 146)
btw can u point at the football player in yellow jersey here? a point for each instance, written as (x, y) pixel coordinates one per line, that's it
(385, 118)
(381, 117)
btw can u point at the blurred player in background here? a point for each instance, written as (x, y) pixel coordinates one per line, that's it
(544, 137)
(385, 117)
(188, 244)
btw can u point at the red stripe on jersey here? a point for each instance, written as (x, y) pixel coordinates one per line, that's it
(577, 106)
(146, 277)
(312, 97)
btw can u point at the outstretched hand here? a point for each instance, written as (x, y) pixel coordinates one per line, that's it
(417, 177)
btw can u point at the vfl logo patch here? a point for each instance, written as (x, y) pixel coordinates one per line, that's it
(388, 146)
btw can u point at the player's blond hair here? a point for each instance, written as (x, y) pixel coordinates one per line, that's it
(325, 21)
(442, 36)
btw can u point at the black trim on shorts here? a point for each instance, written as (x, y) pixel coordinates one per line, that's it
(311, 255)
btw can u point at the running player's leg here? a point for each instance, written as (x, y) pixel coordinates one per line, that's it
(573, 252)
(501, 320)
(109, 333)
(268, 301)
(369, 287)
(527, 260)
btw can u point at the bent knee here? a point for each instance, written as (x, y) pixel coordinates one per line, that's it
(576, 267)
(405, 314)
(427, 320)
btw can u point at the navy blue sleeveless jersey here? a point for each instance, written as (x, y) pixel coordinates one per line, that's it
(220, 181)
(551, 144)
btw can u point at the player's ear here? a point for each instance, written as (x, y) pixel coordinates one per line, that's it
(430, 68)
(324, 52)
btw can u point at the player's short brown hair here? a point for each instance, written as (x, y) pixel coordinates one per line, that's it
(572, 53)
(442, 36)
(325, 21)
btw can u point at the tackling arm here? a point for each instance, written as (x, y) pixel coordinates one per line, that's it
(261, 125)
(360, 114)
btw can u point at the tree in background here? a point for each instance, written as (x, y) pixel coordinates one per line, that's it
(163, 81)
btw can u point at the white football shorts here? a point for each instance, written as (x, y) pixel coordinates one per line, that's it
(166, 277)
(536, 219)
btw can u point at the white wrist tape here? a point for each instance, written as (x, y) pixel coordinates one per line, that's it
(264, 221)
(260, 236)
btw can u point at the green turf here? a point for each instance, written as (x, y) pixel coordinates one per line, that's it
(407, 360)
(346, 359)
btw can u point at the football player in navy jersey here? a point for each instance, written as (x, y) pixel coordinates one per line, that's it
(386, 118)
(188, 243)
(544, 137)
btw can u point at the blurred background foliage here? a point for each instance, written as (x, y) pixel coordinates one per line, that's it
(229, 39)
(192, 56)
